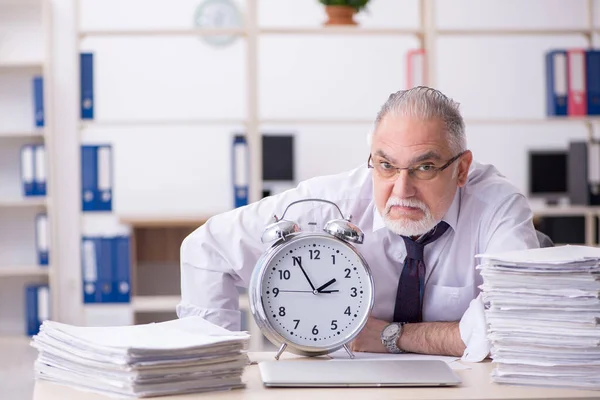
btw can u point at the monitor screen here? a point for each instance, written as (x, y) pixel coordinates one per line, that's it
(547, 172)
(278, 157)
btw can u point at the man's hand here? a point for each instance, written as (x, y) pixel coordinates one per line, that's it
(369, 339)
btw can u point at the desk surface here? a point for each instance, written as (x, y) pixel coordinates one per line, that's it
(476, 385)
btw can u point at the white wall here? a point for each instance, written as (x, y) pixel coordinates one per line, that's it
(165, 79)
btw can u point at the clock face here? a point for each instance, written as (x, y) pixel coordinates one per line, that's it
(218, 14)
(316, 291)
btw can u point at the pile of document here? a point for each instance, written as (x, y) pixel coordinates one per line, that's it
(543, 316)
(181, 356)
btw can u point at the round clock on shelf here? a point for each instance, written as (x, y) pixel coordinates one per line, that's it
(218, 14)
(311, 292)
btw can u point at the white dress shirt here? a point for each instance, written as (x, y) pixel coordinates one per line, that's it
(487, 215)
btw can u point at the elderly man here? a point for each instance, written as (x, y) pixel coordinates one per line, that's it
(426, 210)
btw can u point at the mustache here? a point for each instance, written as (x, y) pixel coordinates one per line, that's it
(395, 201)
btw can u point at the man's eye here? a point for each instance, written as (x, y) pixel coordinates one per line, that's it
(386, 165)
(425, 167)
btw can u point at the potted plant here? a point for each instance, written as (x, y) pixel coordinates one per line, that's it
(341, 12)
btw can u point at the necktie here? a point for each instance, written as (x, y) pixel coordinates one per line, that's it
(409, 298)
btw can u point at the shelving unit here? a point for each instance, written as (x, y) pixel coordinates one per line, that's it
(427, 35)
(22, 24)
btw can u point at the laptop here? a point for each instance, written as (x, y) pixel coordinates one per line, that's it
(357, 373)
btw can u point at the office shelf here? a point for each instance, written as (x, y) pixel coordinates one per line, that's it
(34, 134)
(178, 122)
(24, 202)
(157, 304)
(154, 303)
(512, 32)
(25, 66)
(23, 270)
(164, 221)
(162, 32)
(339, 30)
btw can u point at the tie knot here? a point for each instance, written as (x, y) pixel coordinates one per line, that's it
(415, 248)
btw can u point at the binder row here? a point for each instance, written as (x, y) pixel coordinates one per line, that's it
(106, 269)
(37, 306)
(241, 166)
(42, 239)
(38, 101)
(573, 82)
(33, 170)
(96, 178)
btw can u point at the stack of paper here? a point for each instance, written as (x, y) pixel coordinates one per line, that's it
(180, 356)
(543, 316)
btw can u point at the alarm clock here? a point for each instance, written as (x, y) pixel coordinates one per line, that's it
(311, 292)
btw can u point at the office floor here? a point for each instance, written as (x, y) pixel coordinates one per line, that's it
(16, 368)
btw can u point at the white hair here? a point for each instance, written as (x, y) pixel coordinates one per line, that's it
(426, 103)
(406, 226)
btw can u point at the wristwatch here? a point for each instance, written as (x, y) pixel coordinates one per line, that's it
(390, 335)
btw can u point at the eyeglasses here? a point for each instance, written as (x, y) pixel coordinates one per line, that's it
(425, 171)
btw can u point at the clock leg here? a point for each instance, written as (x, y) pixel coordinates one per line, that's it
(350, 353)
(281, 350)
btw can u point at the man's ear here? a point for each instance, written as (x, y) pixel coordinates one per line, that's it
(463, 168)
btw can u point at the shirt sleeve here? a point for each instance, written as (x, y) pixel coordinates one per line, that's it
(509, 227)
(220, 256)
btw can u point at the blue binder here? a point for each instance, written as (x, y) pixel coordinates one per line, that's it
(38, 100)
(592, 66)
(37, 306)
(556, 82)
(96, 178)
(87, 85)
(42, 242)
(39, 186)
(28, 170)
(121, 269)
(240, 171)
(97, 270)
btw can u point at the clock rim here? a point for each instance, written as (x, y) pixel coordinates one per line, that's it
(257, 307)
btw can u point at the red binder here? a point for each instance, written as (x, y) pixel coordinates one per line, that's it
(415, 68)
(576, 96)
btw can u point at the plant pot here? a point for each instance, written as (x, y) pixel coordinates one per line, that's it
(340, 15)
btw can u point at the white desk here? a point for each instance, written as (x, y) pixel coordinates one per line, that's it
(476, 385)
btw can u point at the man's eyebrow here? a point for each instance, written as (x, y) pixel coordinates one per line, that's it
(382, 154)
(430, 155)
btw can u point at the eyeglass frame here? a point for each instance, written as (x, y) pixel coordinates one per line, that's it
(411, 170)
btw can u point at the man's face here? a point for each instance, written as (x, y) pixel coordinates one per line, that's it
(410, 206)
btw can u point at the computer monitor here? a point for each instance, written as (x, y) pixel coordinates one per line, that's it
(548, 175)
(277, 163)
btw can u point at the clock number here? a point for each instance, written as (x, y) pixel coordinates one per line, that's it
(315, 253)
(334, 325)
(347, 312)
(297, 260)
(284, 274)
(282, 311)
(353, 290)
(297, 321)
(347, 271)
(315, 331)
(333, 258)
(275, 291)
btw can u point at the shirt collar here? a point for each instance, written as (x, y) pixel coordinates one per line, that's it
(451, 216)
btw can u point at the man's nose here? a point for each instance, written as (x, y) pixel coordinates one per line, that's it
(404, 185)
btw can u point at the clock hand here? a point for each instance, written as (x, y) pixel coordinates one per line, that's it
(305, 275)
(296, 291)
(320, 288)
(329, 291)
